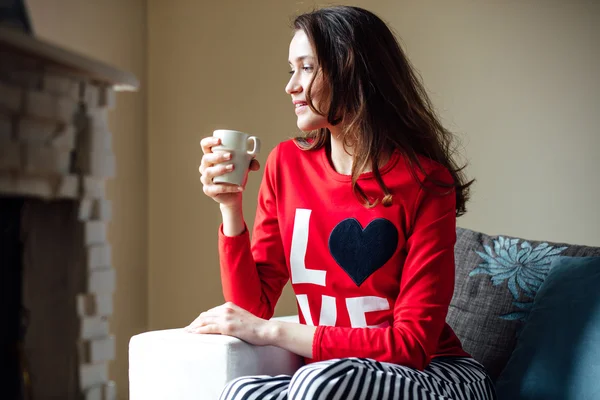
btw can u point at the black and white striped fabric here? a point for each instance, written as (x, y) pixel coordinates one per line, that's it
(445, 378)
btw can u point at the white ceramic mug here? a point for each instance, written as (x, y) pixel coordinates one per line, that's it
(237, 143)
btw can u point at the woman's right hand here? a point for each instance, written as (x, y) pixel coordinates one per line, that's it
(215, 164)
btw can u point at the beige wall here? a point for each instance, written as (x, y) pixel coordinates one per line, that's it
(516, 80)
(114, 31)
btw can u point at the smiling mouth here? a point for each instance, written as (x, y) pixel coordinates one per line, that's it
(300, 108)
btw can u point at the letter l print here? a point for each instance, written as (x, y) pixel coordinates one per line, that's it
(301, 274)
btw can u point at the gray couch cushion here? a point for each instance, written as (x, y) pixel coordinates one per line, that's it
(497, 278)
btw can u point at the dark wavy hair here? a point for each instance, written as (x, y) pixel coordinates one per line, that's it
(373, 91)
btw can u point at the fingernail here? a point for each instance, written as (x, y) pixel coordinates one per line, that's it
(227, 156)
(229, 167)
(240, 189)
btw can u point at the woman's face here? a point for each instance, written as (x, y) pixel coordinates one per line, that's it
(303, 64)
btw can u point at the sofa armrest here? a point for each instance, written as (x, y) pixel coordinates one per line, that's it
(173, 364)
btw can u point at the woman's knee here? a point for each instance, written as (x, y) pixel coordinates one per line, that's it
(262, 387)
(238, 387)
(317, 378)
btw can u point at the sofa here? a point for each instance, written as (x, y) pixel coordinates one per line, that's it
(497, 283)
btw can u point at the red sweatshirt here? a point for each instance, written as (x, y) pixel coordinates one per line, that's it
(376, 282)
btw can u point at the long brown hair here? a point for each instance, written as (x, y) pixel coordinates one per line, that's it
(374, 92)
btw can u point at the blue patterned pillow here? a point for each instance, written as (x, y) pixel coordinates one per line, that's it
(558, 351)
(497, 278)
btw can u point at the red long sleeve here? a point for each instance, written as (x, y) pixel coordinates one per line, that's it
(376, 281)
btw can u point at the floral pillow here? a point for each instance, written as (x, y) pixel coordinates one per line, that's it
(497, 278)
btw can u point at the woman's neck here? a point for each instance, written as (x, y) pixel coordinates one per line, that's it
(342, 157)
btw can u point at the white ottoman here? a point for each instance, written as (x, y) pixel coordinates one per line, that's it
(173, 364)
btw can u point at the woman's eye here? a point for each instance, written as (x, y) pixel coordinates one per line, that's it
(306, 68)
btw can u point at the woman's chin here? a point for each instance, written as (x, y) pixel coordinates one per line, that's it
(303, 128)
(308, 126)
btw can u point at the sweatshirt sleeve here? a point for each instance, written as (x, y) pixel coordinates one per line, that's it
(253, 274)
(426, 288)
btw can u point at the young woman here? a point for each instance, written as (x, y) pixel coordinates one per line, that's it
(360, 214)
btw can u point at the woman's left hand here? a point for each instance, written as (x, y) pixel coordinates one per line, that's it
(229, 319)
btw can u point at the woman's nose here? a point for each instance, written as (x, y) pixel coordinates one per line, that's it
(293, 86)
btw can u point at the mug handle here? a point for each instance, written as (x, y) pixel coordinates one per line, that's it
(256, 148)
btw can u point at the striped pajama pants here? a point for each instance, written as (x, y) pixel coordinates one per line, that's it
(445, 378)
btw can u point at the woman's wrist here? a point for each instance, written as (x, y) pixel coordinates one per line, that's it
(233, 220)
(230, 207)
(271, 332)
(296, 338)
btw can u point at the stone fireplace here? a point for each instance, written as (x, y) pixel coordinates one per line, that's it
(57, 278)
